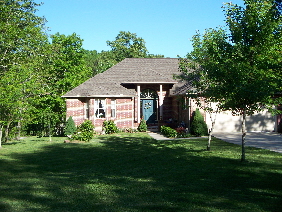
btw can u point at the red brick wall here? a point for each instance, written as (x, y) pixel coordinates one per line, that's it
(126, 109)
(124, 112)
(75, 108)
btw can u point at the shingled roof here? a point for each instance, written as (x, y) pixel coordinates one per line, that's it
(131, 71)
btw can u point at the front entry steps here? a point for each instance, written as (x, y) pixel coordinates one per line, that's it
(152, 127)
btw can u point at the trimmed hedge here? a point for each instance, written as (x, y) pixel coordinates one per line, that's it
(168, 132)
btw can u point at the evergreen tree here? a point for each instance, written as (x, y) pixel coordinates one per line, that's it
(70, 127)
(142, 126)
(199, 126)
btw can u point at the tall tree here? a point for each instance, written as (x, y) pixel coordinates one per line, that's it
(22, 40)
(105, 60)
(69, 65)
(125, 45)
(240, 67)
(91, 60)
(66, 68)
(128, 45)
(21, 32)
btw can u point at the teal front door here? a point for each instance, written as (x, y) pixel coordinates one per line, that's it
(148, 110)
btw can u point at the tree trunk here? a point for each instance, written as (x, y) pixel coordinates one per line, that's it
(49, 128)
(19, 130)
(1, 128)
(243, 158)
(7, 130)
(211, 130)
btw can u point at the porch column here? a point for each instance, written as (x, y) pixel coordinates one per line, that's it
(138, 104)
(161, 101)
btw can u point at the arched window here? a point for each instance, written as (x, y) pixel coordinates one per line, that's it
(149, 94)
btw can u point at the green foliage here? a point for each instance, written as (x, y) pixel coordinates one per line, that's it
(182, 132)
(69, 67)
(85, 131)
(239, 66)
(65, 69)
(142, 126)
(22, 43)
(129, 130)
(168, 132)
(125, 45)
(128, 45)
(70, 127)
(110, 127)
(199, 126)
(92, 61)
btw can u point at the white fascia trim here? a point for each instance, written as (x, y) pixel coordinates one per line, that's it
(78, 96)
(174, 82)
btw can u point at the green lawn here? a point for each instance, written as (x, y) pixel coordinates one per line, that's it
(133, 172)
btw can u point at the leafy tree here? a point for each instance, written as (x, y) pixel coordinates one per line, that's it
(128, 45)
(105, 60)
(69, 65)
(278, 4)
(239, 67)
(65, 69)
(22, 44)
(21, 32)
(92, 61)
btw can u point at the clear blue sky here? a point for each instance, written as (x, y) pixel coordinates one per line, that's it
(167, 26)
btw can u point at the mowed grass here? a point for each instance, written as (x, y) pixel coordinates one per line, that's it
(133, 172)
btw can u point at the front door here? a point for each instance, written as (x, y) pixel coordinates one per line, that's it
(148, 110)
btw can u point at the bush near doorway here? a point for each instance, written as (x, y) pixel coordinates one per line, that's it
(142, 126)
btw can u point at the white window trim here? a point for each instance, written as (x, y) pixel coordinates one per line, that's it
(96, 107)
(113, 108)
(87, 109)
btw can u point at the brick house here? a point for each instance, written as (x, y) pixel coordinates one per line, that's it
(145, 88)
(128, 91)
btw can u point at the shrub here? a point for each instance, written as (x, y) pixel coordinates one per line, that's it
(182, 132)
(70, 127)
(198, 126)
(130, 130)
(85, 131)
(142, 126)
(168, 132)
(110, 127)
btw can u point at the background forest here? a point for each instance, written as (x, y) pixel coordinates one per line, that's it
(36, 69)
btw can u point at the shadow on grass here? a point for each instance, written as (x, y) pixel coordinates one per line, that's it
(136, 174)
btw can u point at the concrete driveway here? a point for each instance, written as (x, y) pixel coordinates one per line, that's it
(264, 140)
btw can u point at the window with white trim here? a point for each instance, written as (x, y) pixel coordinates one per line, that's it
(100, 108)
(113, 108)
